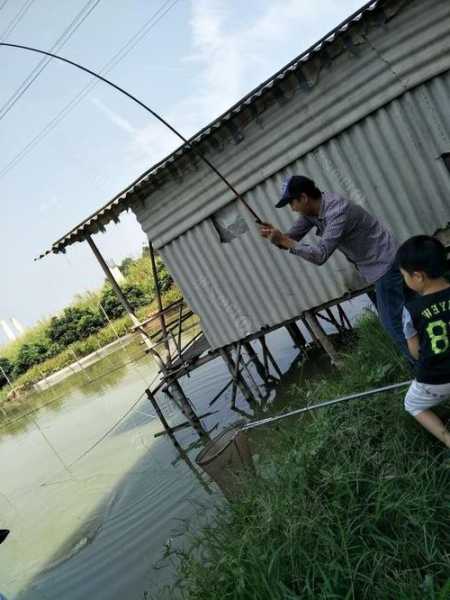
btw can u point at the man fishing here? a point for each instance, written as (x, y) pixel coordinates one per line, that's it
(345, 226)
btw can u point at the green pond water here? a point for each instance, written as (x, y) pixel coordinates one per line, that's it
(90, 505)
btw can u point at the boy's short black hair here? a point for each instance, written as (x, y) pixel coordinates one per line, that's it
(423, 253)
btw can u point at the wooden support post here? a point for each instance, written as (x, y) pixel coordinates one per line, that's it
(344, 319)
(297, 336)
(184, 425)
(123, 299)
(321, 336)
(180, 328)
(162, 418)
(219, 393)
(334, 321)
(182, 453)
(236, 375)
(256, 362)
(267, 352)
(175, 391)
(310, 331)
(252, 379)
(159, 301)
(241, 383)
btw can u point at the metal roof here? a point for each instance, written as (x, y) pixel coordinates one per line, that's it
(111, 211)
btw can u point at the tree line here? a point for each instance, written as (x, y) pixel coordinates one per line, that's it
(86, 316)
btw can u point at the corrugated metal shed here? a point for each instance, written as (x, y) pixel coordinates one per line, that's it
(301, 74)
(373, 126)
(389, 162)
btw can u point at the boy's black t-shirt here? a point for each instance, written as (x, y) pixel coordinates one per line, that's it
(431, 318)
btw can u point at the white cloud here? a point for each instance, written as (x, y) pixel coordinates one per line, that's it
(231, 55)
(114, 117)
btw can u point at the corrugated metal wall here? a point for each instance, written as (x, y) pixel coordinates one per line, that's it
(373, 127)
(385, 60)
(389, 162)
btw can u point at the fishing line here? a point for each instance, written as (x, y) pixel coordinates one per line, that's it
(55, 452)
(116, 424)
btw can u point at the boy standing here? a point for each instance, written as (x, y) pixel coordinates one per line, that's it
(426, 325)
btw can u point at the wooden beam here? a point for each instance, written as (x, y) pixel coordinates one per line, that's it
(159, 301)
(123, 300)
(322, 337)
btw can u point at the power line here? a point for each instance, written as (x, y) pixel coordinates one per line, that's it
(3, 4)
(154, 114)
(16, 20)
(166, 6)
(60, 42)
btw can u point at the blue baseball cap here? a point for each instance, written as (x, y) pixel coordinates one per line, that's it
(293, 187)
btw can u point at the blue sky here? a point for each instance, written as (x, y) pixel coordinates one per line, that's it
(191, 64)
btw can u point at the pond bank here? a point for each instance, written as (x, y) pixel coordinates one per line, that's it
(351, 501)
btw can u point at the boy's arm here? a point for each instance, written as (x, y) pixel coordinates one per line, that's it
(410, 333)
(413, 346)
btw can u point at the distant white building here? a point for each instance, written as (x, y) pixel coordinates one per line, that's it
(115, 270)
(7, 330)
(20, 329)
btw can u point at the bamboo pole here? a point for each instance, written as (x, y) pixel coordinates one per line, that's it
(162, 319)
(322, 337)
(121, 296)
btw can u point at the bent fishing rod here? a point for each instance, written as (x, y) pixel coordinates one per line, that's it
(148, 109)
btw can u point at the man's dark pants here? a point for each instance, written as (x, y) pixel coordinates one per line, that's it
(389, 300)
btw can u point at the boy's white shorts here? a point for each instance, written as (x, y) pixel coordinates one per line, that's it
(421, 396)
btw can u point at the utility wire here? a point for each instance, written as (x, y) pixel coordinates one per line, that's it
(115, 60)
(60, 42)
(16, 20)
(3, 4)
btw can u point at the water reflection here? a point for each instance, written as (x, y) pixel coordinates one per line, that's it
(96, 380)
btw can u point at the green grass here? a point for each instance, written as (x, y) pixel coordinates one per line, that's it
(350, 502)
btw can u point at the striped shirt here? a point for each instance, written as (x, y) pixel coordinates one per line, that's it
(345, 226)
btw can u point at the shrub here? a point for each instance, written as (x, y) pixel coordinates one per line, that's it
(111, 303)
(29, 355)
(6, 368)
(165, 278)
(125, 265)
(135, 295)
(74, 324)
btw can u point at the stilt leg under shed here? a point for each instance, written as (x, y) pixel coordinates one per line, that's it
(254, 358)
(176, 393)
(316, 328)
(123, 300)
(238, 379)
(181, 452)
(268, 355)
(296, 335)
